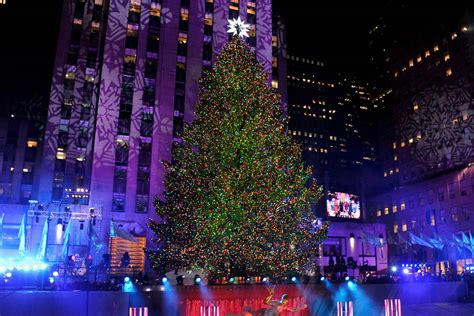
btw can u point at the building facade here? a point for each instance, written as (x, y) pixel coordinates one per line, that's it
(331, 116)
(428, 153)
(125, 81)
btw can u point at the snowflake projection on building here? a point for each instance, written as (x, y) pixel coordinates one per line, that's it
(238, 27)
(438, 121)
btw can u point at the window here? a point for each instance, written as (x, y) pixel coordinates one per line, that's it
(404, 226)
(436, 48)
(452, 190)
(31, 144)
(395, 228)
(427, 53)
(430, 196)
(421, 199)
(402, 206)
(465, 213)
(446, 57)
(454, 214)
(379, 213)
(394, 209)
(386, 211)
(449, 72)
(413, 223)
(411, 63)
(440, 194)
(442, 216)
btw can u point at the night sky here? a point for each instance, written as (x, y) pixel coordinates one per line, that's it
(335, 34)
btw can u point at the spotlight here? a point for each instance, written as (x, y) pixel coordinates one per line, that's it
(322, 279)
(350, 284)
(403, 265)
(248, 280)
(293, 279)
(51, 280)
(231, 280)
(347, 278)
(126, 279)
(394, 269)
(55, 274)
(197, 279)
(406, 271)
(164, 280)
(265, 280)
(8, 274)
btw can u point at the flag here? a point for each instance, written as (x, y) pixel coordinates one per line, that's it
(471, 239)
(43, 241)
(466, 241)
(117, 231)
(435, 242)
(64, 249)
(22, 237)
(95, 239)
(1, 229)
(420, 241)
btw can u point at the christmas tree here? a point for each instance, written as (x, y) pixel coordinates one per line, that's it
(238, 198)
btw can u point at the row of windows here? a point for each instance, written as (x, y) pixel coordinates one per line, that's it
(427, 53)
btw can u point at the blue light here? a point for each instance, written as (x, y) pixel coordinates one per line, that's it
(293, 279)
(231, 280)
(322, 278)
(51, 280)
(406, 271)
(126, 279)
(347, 278)
(351, 284)
(394, 269)
(403, 265)
(43, 266)
(2, 269)
(164, 280)
(55, 274)
(8, 274)
(265, 279)
(198, 280)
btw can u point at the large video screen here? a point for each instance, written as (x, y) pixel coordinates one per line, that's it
(343, 205)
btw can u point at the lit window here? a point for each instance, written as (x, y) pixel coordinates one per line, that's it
(70, 75)
(394, 145)
(436, 48)
(402, 144)
(402, 206)
(379, 213)
(418, 59)
(418, 136)
(155, 9)
(415, 107)
(404, 226)
(275, 83)
(454, 35)
(464, 29)
(395, 228)
(184, 14)
(386, 211)
(411, 63)
(394, 209)
(61, 155)
(395, 74)
(397, 170)
(449, 72)
(395, 158)
(410, 141)
(25, 170)
(385, 174)
(427, 53)
(31, 144)
(446, 57)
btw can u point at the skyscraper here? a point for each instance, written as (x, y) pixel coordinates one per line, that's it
(125, 81)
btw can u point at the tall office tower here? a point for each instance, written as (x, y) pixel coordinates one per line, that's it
(125, 82)
(330, 115)
(428, 161)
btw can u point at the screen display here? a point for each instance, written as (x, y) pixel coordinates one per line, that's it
(343, 205)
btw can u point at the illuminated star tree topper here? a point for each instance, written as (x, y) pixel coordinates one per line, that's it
(239, 28)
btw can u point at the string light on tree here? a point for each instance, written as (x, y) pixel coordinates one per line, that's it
(238, 197)
(239, 28)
